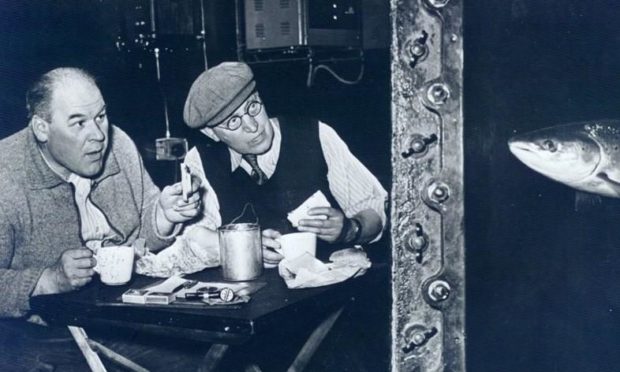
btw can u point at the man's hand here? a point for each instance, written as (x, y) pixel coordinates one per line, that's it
(203, 243)
(73, 270)
(326, 229)
(271, 258)
(172, 209)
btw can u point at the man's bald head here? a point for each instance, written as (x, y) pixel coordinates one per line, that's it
(39, 96)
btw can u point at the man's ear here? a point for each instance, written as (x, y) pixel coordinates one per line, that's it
(40, 128)
(209, 132)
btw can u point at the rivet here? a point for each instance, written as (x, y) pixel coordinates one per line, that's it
(438, 94)
(439, 193)
(439, 290)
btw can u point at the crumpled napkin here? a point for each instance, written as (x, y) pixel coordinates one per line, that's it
(306, 271)
(196, 250)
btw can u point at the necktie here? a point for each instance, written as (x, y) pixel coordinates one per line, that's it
(257, 174)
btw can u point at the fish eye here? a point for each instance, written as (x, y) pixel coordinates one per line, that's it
(549, 145)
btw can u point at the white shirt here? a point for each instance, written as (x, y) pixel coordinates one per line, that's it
(94, 225)
(350, 182)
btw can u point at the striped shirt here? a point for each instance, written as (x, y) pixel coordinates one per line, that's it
(350, 182)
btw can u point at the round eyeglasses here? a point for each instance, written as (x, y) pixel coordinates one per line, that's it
(235, 121)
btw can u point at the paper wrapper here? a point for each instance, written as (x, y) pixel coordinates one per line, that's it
(306, 271)
(196, 250)
(317, 199)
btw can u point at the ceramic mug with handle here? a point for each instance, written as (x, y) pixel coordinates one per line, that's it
(115, 264)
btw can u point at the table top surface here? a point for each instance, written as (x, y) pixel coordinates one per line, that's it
(273, 305)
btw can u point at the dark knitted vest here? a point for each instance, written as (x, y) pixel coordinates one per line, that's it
(300, 172)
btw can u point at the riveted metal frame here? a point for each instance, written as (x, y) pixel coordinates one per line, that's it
(428, 314)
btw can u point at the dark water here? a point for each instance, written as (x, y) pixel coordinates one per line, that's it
(543, 280)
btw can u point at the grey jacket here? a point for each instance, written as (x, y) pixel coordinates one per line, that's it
(39, 219)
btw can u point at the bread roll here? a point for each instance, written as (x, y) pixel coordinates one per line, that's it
(350, 257)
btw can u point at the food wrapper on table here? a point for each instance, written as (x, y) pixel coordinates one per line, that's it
(198, 249)
(306, 271)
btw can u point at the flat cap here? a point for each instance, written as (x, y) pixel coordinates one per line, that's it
(217, 93)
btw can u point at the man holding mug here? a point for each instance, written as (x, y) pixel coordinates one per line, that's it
(276, 163)
(71, 183)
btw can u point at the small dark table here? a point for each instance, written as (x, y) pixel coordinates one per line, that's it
(272, 306)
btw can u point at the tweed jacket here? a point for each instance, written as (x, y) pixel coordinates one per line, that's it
(39, 218)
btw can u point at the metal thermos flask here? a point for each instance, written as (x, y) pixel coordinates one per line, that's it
(241, 253)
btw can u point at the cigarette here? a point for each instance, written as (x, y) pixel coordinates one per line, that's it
(186, 181)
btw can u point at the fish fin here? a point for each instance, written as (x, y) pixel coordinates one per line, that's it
(610, 180)
(585, 201)
(613, 185)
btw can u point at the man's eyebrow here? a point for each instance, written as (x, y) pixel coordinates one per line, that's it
(80, 115)
(76, 116)
(251, 100)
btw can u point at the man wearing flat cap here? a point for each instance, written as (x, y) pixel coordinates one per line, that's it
(276, 164)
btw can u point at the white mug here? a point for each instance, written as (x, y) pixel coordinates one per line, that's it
(115, 264)
(296, 244)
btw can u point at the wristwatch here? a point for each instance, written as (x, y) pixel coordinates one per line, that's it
(356, 226)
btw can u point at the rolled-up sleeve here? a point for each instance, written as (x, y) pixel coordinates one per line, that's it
(354, 187)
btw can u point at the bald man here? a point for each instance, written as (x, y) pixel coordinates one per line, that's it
(70, 183)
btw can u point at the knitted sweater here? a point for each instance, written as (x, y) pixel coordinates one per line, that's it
(39, 219)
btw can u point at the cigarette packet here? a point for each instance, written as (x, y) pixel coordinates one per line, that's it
(143, 297)
(159, 298)
(135, 296)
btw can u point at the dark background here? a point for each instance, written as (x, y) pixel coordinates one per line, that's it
(542, 279)
(38, 35)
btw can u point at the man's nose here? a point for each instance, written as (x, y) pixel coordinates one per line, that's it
(250, 125)
(97, 131)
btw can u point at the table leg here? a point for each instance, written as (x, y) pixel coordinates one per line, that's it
(89, 349)
(92, 358)
(313, 342)
(116, 357)
(213, 357)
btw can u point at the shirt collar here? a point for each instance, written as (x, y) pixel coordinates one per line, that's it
(38, 173)
(267, 161)
(66, 179)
